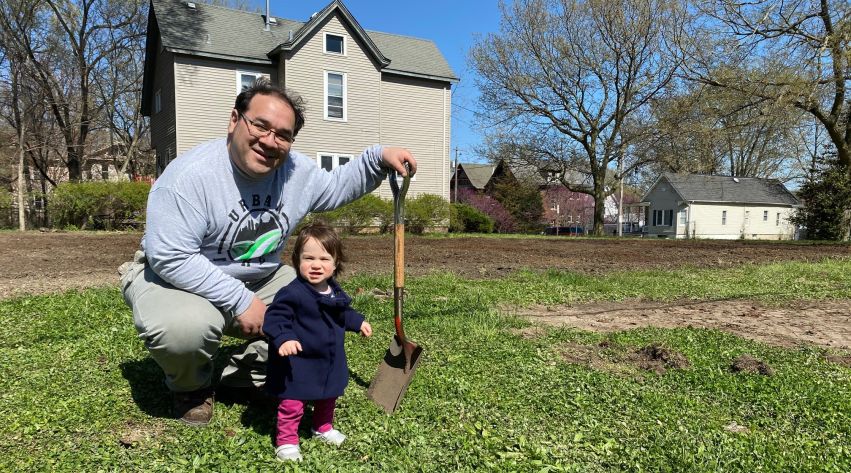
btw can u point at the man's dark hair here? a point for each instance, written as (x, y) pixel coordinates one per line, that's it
(263, 86)
(327, 237)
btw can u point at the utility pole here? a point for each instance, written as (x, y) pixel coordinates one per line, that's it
(456, 176)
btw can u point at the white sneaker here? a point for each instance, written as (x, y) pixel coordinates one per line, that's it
(288, 452)
(333, 436)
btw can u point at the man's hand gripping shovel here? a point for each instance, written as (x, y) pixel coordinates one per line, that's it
(400, 361)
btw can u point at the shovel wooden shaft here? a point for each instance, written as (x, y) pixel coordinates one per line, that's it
(399, 279)
(403, 356)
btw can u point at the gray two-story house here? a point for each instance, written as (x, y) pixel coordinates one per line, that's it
(360, 87)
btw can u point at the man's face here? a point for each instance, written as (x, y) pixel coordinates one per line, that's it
(254, 154)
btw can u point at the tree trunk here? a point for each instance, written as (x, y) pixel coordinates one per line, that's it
(599, 207)
(74, 165)
(22, 215)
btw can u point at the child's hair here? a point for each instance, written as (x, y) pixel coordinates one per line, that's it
(327, 237)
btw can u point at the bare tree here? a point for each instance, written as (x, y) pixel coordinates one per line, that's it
(118, 91)
(786, 52)
(65, 43)
(712, 130)
(564, 78)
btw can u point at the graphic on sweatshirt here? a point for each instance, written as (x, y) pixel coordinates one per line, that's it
(258, 233)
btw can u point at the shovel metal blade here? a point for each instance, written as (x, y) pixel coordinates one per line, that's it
(394, 374)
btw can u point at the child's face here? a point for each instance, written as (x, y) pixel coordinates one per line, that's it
(316, 265)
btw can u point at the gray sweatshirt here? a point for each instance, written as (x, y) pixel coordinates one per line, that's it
(210, 228)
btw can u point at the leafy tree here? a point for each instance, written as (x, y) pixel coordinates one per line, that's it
(522, 200)
(503, 220)
(827, 203)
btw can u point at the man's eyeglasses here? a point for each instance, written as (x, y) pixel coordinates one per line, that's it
(259, 130)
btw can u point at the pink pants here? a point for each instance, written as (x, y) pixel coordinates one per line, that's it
(289, 416)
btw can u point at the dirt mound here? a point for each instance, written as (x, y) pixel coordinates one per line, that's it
(659, 359)
(750, 365)
(612, 358)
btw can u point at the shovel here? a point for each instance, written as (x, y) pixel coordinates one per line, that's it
(401, 359)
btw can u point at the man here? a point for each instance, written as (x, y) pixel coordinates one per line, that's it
(217, 222)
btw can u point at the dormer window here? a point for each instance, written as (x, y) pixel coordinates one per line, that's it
(335, 44)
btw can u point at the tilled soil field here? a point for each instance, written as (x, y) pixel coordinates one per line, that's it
(43, 262)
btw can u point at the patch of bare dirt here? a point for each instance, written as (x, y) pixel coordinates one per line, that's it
(132, 434)
(823, 323)
(44, 262)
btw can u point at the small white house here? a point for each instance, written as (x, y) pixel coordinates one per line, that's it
(719, 207)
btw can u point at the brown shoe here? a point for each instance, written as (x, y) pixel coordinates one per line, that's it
(194, 407)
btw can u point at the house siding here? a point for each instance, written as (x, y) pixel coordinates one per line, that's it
(414, 114)
(663, 197)
(705, 221)
(163, 132)
(206, 91)
(305, 74)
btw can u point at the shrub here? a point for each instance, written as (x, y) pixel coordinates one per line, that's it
(465, 218)
(355, 216)
(425, 211)
(99, 205)
(6, 209)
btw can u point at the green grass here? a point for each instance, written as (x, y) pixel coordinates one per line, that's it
(75, 380)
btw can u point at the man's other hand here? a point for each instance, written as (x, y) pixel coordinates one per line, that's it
(251, 321)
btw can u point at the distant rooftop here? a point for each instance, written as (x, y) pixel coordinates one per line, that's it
(714, 188)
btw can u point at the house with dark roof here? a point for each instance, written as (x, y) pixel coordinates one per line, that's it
(361, 87)
(561, 207)
(470, 177)
(720, 207)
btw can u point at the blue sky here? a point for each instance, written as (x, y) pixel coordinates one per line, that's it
(451, 24)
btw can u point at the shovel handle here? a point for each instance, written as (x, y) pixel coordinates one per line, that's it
(399, 248)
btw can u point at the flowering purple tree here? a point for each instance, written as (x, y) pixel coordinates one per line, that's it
(503, 221)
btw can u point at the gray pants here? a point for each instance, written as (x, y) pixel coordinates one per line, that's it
(182, 331)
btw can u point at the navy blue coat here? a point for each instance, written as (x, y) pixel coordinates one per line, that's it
(319, 323)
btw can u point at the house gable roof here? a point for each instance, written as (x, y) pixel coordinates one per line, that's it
(223, 33)
(317, 19)
(746, 190)
(478, 174)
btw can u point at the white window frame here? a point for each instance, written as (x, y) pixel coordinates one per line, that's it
(158, 101)
(335, 159)
(777, 222)
(765, 215)
(683, 219)
(723, 217)
(325, 44)
(239, 75)
(345, 96)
